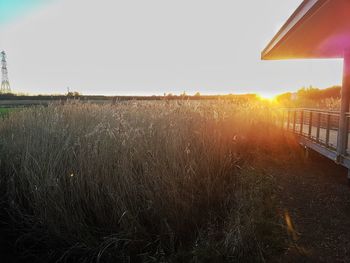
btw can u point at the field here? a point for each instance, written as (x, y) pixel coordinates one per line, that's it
(4, 111)
(146, 181)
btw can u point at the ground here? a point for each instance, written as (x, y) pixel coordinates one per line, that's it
(315, 206)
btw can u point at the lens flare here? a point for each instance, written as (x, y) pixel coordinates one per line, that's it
(266, 96)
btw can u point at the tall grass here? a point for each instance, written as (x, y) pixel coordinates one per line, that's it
(142, 181)
(4, 112)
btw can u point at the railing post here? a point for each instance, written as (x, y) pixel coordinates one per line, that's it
(347, 133)
(282, 123)
(318, 126)
(288, 122)
(301, 121)
(328, 127)
(344, 108)
(294, 119)
(310, 124)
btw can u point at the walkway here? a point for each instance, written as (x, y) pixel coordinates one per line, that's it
(318, 130)
(316, 198)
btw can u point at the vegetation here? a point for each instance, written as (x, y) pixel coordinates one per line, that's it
(312, 97)
(165, 181)
(305, 97)
(4, 111)
(17, 98)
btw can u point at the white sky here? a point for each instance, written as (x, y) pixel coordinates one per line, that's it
(146, 47)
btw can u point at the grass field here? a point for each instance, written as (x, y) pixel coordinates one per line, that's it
(4, 111)
(143, 182)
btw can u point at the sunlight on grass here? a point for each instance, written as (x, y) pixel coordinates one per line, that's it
(171, 181)
(267, 96)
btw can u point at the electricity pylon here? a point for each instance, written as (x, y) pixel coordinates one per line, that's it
(5, 84)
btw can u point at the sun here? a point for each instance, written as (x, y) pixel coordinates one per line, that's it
(266, 96)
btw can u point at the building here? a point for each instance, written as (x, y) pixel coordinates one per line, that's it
(318, 29)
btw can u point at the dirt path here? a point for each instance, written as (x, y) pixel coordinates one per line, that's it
(315, 205)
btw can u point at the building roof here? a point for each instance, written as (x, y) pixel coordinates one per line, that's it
(317, 29)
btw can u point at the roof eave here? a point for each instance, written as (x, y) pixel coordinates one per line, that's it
(305, 10)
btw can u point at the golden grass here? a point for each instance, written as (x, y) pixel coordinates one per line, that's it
(142, 181)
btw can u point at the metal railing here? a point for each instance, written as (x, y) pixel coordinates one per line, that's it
(319, 126)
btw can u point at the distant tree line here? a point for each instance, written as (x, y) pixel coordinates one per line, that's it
(167, 96)
(311, 94)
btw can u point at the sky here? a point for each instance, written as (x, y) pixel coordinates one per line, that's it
(138, 47)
